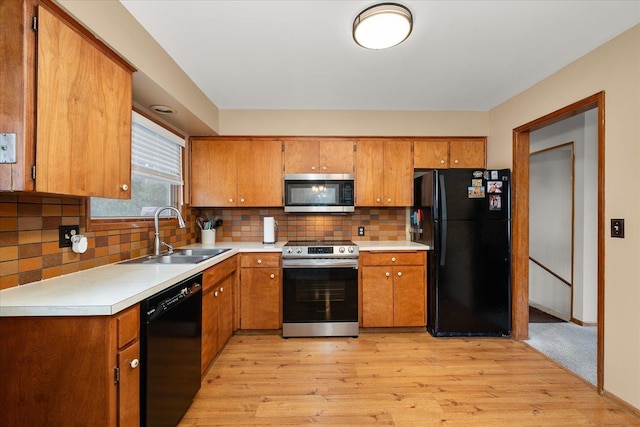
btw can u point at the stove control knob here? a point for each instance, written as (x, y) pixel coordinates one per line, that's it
(289, 250)
(351, 250)
(299, 250)
(341, 250)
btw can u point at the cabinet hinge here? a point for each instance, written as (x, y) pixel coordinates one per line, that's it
(34, 23)
(33, 172)
(116, 375)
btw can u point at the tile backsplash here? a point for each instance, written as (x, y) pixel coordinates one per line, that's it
(29, 249)
(246, 225)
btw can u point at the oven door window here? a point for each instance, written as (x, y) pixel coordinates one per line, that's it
(320, 295)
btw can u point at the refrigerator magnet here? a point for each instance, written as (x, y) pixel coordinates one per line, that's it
(476, 182)
(476, 192)
(495, 202)
(494, 174)
(494, 187)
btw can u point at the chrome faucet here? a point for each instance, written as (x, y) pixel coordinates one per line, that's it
(157, 244)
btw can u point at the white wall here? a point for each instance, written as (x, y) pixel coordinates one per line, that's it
(615, 69)
(550, 226)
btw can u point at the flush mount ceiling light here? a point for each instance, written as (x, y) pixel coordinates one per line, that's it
(162, 109)
(382, 26)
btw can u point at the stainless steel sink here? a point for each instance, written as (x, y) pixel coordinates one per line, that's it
(201, 252)
(179, 256)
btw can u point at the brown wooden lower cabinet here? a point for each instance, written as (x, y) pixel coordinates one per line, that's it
(70, 370)
(218, 283)
(260, 291)
(393, 289)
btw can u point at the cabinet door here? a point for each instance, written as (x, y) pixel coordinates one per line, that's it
(214, 173)
(377, 297)
(209, 327)
(335, 156)
(83, 125)
(260, 179)
(129, 386)
(225, 311)
(409, 296)
(301, 156)
(260, 298)
(398, 173)
(431, 153)
(467, 153)
(369, 172)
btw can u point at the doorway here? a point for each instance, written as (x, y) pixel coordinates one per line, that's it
(521, 175)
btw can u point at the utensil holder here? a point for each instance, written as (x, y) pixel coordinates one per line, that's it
(208, 237)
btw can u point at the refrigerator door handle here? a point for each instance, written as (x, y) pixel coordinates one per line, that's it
(443, 221)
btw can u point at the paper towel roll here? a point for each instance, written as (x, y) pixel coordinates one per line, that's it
(269, 229)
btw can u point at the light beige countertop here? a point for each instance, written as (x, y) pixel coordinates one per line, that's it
(390, 245)
(110, 289)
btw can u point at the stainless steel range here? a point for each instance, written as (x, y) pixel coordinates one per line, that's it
(320, 289)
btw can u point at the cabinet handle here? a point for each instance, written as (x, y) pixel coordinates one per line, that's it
(442, 162)
(124, 187)
(387, 274)
(399, 273)
(230, 200)
(393, 259)
(378, 200)
(259, 261)
(273, 276)
(456, 161)
(242, 200)
(313, 168)
(324, 168)
(389, 200)
(215, 294)
(221, 289)
(134, 363)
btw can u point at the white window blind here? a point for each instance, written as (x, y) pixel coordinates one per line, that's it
(155, 152)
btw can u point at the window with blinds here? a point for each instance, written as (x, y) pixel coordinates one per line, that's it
(156, 174)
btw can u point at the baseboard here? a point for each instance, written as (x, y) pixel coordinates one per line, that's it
(581, 323)
(626, 406)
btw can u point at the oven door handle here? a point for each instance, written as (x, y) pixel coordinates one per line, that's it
(320, 263)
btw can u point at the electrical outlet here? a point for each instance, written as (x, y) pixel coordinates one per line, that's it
(360, 231)
(65, 232)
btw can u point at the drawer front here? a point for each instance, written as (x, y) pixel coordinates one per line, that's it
(393, 258)
(219, 272)
(260, 260)
(128, 323)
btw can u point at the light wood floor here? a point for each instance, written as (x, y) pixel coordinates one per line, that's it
(394, 379)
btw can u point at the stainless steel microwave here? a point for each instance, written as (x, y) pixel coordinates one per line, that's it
(319, 193)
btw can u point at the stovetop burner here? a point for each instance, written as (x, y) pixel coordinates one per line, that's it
(320, 243)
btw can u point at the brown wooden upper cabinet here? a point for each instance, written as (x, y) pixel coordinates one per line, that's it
(318, 155)
(236, 172)
(69, 97)
(384, 172)
(442, 153)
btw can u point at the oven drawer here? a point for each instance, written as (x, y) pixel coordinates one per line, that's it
(260, 260)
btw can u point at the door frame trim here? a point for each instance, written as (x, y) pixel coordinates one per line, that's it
(520, 217)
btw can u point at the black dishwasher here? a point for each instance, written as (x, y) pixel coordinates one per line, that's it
(171, 332)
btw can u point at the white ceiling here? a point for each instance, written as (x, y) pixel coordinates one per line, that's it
(299, 54)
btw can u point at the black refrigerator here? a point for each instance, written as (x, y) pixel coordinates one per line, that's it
(465, 216)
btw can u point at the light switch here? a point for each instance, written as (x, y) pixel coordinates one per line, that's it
(617, 228)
